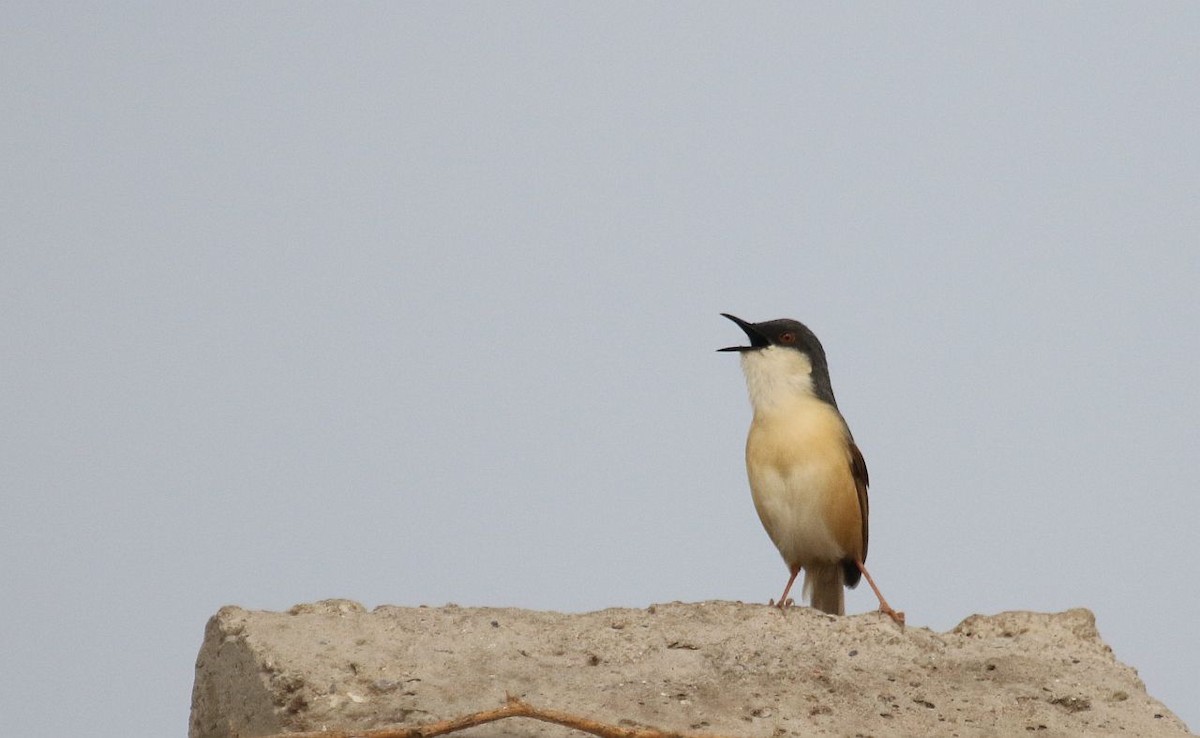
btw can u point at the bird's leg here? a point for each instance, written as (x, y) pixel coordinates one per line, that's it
(884, 607)
(783, 600)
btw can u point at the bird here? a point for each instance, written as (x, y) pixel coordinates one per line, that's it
(807, 476)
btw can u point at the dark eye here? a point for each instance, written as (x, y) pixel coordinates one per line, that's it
(787, 338)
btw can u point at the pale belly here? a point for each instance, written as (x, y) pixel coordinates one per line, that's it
(799, 469)
(793, 508)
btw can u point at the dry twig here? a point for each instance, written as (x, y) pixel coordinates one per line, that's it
(513, 707)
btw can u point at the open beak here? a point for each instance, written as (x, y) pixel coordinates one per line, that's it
(757, 340)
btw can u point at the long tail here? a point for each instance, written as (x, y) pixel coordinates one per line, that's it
(824, 588)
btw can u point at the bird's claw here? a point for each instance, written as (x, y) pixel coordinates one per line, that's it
(897, 617)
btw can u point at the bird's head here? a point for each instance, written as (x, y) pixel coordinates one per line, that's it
(784, 358)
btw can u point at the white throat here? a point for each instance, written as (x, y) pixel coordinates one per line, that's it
(777, 376)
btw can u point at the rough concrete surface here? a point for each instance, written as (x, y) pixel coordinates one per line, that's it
(712, 667)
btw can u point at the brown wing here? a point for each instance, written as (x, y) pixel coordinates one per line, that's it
(851, 572)
(858, 468)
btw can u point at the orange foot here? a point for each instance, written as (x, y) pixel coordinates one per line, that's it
(898, 617)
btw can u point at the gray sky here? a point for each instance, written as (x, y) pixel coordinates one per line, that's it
(417, 304)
